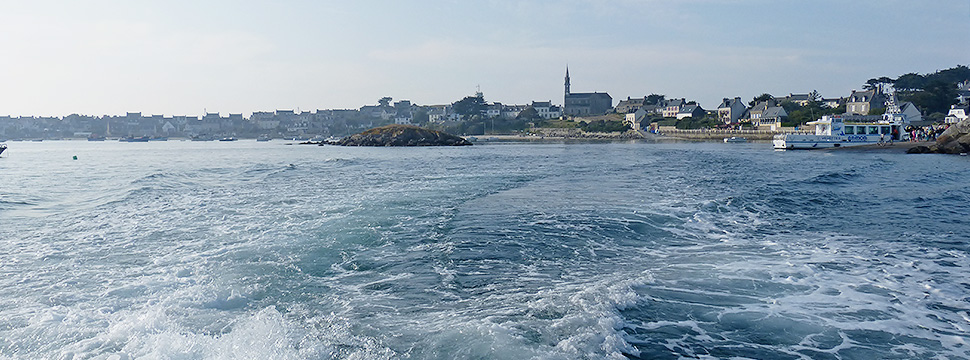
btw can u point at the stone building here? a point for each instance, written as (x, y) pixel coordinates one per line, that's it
(584, 104)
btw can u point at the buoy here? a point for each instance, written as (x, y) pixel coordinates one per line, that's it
(75, 157)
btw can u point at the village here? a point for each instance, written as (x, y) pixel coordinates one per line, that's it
(578, 115)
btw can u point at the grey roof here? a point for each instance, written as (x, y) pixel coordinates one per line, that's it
(688, 109)
(586, 95)
(774, 112)
(726, 103)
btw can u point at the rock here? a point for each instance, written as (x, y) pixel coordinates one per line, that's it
(956, 138)
(402, 135)
(919, 150)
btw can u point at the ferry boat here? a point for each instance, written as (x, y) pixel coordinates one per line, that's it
(832, 131)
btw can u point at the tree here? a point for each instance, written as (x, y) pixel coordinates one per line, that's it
(909, 82)
(469, 106)
(760, 98)
(654, 99)
(421, 116)
(529, 114)
(814, 97)
(877, 83)
(936, 96)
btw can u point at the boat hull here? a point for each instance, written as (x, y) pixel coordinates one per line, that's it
(804, 141)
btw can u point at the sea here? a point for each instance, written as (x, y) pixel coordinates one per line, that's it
(555, 250)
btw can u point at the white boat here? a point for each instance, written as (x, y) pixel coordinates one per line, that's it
(846, 130)
(833, 131)
(735, 139)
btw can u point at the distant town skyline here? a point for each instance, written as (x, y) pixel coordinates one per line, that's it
(184, 58)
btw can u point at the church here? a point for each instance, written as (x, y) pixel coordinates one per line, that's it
(585, 104)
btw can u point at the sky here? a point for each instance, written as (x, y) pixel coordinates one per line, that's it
(177, 57)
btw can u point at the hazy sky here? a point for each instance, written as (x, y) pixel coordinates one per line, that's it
(183, 57)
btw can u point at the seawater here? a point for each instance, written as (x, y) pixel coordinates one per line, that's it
(214, 250)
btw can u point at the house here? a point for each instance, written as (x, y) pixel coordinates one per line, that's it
(913, 114)
(438, 113)
(265, 120)
(630, 105)
(581, 104)
(800, 99)
(635, 118)
(731, 110)
(672, 107)
(957, 114)
(546, 109)
(833, 102)
(862, 102)
(963, 92)
(771, 118)
(691, 111)
(756, 111)
(512, 111)
(402, 112)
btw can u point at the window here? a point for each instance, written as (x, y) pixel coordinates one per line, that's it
(873, 130)
(884, 130)
(850, 130)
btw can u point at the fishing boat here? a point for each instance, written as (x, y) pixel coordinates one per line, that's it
(735, 139)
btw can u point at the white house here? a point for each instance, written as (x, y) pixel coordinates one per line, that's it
(691, 111)
(957, 114)
(546, 109)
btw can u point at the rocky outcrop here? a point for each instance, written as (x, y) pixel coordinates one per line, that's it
(402, 135)
(955, 140)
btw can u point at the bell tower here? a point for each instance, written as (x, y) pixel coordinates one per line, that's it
(567, 80)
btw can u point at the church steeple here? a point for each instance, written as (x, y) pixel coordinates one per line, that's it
(567, 79)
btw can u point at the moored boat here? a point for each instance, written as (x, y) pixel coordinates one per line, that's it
(833, 131)
(2, 148)
(135, 139)
(735, 139)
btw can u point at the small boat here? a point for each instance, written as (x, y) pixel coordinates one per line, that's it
(2, 148)
(735, 139)
(134, 139)
(96, 138)
(264, 138)
(228, 139)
